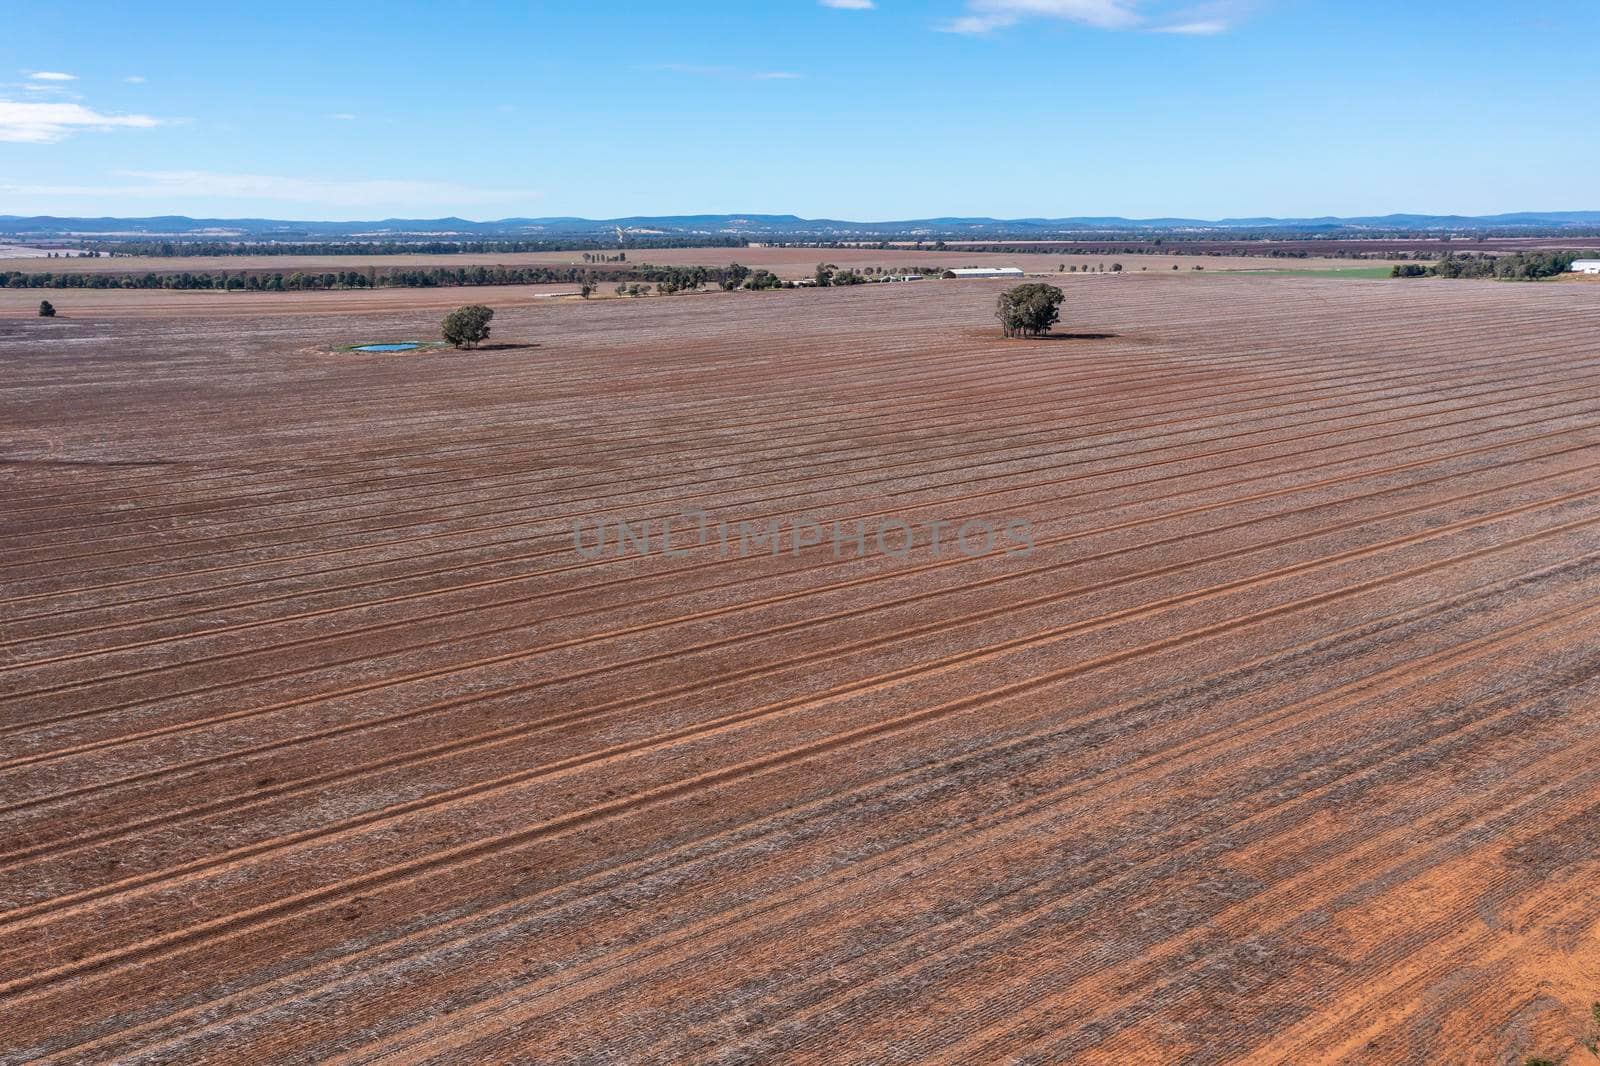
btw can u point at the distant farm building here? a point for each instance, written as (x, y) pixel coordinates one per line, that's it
(1586, 266)
(987, 272)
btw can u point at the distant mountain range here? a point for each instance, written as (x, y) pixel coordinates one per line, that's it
(777, 227)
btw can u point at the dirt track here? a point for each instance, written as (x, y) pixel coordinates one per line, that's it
(321, 743)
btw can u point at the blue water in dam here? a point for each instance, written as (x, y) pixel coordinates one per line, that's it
(404, 346)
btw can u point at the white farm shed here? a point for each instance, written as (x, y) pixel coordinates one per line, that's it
(987, 272)
(1586, 266)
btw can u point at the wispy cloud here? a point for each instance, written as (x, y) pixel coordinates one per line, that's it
(184, 186)
(1200, 29)
(728, 73)
(342, 116)
(849, 5)
(135, 79)
(52, 75)
(985, 16)
(29, 122)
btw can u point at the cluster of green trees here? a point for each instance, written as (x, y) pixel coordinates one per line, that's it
(467, 326)
(1028, 310)
(742, 277)
(764, 279)
(669, 280)
(1518, 266)
(830, 274)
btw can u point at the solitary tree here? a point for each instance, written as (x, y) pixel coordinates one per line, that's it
(47, 309)
(466, 326)
(1028, 310)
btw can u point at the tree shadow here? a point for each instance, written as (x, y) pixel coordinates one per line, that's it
(1072, 337)
(503, 346)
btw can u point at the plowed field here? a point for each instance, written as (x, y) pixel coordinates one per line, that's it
(320, 740)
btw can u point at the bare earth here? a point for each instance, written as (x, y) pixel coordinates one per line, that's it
(320, 742)
(167, 303)
(785, 262)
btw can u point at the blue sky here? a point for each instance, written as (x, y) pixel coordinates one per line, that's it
(844, 109)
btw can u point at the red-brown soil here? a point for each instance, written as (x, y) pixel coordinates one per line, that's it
(786, 262)
(319, 742)
(178, 303)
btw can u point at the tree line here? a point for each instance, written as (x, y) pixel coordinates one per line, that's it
(174, 248)
(368, 278)
(666, 279)
(1518, 266)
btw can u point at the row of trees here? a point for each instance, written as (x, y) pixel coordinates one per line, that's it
(1518, 266)
(170, 248)
(673, 278)
(1327, 248)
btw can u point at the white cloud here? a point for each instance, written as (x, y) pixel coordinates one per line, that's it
(134, 79)
(976, 24)
(52, 75)
(1201, 29)
(183, 186)
(42, 123)
(342, 116)
(849, 5)
(984, 16)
